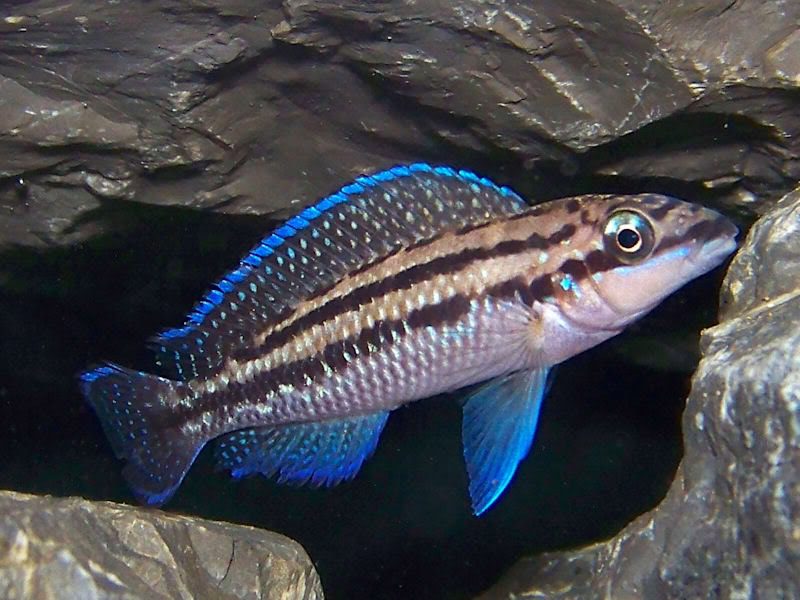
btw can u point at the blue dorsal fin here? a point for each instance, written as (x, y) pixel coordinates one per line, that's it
(498, 428)
(320, 453)
(362, 222)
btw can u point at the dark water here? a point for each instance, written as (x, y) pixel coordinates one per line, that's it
(607, 447)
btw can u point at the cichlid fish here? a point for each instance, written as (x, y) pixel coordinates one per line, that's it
(402, 285)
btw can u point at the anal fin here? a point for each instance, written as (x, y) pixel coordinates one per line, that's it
(499, 424)
(320, 453)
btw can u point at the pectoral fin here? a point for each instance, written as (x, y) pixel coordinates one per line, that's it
(499, 423)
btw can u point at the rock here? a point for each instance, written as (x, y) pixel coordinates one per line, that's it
(69, 548)
(768, 267)
(729, 526)
(208, 103)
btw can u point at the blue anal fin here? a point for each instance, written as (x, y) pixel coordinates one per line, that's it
(322, 453)
(499, 424)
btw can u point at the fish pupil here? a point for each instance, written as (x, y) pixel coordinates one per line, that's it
(628, 235)
(629, 239)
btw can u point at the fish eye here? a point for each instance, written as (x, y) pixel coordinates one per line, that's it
(628, 235)
(628, 239)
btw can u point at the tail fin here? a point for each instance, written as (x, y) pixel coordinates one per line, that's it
(134, 409)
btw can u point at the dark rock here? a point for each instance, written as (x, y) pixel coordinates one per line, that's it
(71, 548)
(208, 103)
(728, 527)
(768, 267)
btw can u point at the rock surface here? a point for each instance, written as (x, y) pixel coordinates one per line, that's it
(729, 526)
(207, 103)
(72, 548)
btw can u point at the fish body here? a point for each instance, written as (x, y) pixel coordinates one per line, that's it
(402, 285)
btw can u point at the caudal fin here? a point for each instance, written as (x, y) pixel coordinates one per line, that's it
(134, 409)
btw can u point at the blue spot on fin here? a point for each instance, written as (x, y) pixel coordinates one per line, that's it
(131, 406)
(322, 453)
(499, 424)
(364, 221)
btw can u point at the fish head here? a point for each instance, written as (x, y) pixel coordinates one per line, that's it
(626, 256)
(654, 245)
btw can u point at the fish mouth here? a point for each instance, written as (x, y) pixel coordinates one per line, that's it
(714, 249)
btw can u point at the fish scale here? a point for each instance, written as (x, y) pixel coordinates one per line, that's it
(373, 203)
(402, 285)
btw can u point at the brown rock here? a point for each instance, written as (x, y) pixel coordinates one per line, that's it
(68, 548)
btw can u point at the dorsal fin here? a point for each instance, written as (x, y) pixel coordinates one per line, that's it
(362, 222)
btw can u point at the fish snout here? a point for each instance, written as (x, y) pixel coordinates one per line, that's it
(713, 242)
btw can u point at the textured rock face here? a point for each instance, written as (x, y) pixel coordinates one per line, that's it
(69, 548)
(730, 524)
(207, 103)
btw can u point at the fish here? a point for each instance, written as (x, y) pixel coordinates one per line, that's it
(404, 284)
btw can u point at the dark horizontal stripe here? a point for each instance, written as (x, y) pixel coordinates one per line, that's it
(566, 232)
(527, 291)
(542, 286)
(702, 230)
(422, 243)
(403, 280)
(598, 261)
(445, 313)
(507, 289)
(575, 268)
(334, 356)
